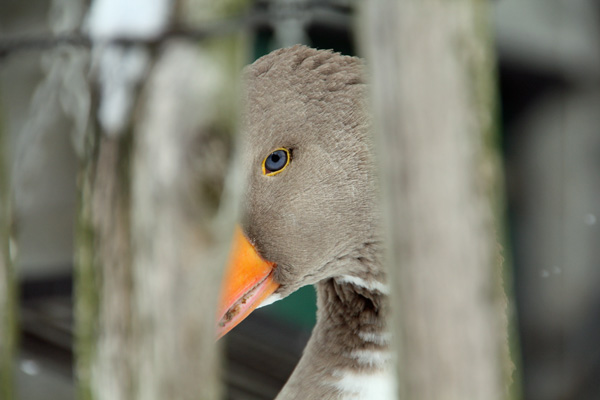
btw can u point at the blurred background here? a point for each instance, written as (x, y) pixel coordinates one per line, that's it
(549, 79)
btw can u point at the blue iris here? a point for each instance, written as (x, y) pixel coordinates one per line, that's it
(276, 161)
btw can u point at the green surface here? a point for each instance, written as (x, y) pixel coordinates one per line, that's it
(299, 308)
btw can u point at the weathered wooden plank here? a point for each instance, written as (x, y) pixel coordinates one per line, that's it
(434, 101)
(156, 213)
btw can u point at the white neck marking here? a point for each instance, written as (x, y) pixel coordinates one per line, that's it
(371, 284)
(270, 300)
(371, 358)
(379, 338)
(376, 385)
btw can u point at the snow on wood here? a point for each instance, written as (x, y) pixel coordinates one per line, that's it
(119, 68)
(132, 19)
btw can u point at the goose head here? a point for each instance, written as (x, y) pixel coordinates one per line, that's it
(309, 208)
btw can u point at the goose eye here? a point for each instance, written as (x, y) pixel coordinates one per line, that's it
(276, 162)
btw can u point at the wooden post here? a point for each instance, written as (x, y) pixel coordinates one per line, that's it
(154, 223)
(8, 296)
(434, 103)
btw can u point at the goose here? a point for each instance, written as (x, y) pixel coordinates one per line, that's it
(310, 216)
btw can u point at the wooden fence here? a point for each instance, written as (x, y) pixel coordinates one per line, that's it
(156, 204)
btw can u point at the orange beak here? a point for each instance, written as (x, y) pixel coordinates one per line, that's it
(248, 281)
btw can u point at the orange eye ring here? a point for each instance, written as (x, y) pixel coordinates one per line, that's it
(276, 168)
